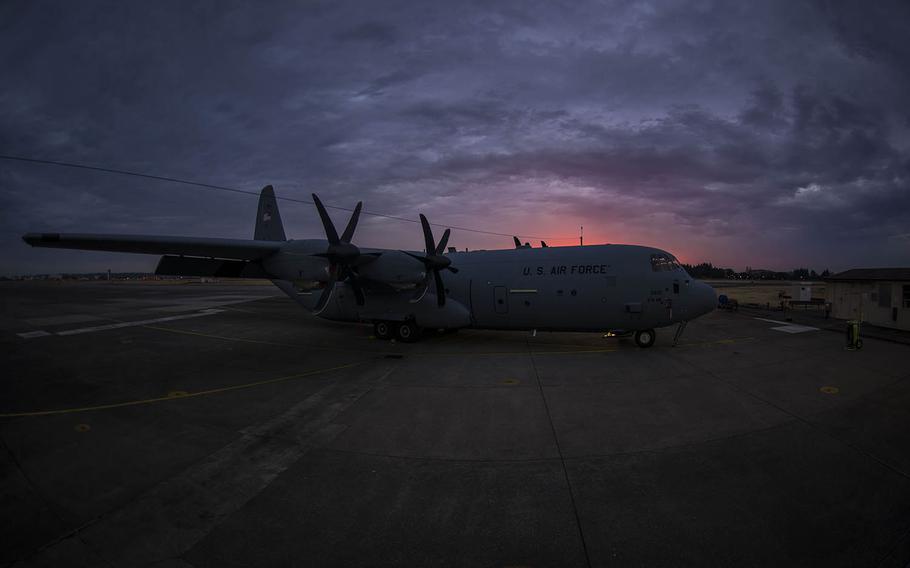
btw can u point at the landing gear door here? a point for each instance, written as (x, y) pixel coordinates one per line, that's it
(500, 299)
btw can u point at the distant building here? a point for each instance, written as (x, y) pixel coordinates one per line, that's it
(880, 296)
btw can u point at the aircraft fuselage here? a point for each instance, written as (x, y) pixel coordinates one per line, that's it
(590, 288)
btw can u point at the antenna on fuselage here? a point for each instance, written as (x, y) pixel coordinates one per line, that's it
(581, 236)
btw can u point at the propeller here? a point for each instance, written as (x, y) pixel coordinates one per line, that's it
(343, 257)
(434, 261)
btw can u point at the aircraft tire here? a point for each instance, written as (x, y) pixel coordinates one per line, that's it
(383, 330)
(407, 332)
(645, 338)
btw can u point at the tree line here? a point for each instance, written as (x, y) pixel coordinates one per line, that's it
(708, 270)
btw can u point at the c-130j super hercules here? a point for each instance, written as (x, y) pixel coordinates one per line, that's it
(591, 288)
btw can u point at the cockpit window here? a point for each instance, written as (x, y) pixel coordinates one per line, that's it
(663, 263)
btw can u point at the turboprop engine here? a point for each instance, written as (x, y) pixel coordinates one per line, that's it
(396, 269)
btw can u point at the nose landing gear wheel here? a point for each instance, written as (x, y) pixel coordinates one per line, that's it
(645, 338)
(382, 330)
(407, 332)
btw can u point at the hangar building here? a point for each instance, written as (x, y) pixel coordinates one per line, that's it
(880, 296)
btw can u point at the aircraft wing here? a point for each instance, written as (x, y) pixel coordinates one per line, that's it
(234, 249)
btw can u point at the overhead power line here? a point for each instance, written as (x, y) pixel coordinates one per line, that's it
(214, 187)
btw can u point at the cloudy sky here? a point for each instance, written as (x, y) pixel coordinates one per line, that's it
(772, 134)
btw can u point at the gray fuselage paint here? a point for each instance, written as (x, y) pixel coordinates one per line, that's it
(590, 288)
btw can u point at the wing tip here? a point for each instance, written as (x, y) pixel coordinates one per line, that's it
(37, 239)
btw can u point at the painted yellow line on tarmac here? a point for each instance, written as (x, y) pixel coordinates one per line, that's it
(170, 396)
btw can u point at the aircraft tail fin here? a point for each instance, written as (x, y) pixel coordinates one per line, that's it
(268, 219)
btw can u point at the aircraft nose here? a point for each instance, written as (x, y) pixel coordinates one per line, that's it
(707, 299)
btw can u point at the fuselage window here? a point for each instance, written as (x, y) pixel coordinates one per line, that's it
(663, 263)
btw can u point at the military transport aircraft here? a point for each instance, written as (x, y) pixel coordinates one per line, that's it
(578, 288)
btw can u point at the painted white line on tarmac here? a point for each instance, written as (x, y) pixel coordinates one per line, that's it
(170, 518)
(788, 327)
(33, 334)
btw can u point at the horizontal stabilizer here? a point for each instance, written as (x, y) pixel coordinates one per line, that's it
(209, 267)
(236, 249)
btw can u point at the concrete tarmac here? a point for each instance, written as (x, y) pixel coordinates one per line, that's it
(201, 425)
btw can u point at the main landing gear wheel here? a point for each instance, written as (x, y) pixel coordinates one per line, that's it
(383, 330)
(407, 332)
(645, 337)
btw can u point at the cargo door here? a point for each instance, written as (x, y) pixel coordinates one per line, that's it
(500, 300)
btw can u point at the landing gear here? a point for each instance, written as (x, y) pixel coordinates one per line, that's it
(383, 330)
(407, 332)
(403, 331)
(679, 332)
(645, 338)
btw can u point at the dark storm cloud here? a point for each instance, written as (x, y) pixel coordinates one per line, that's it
(370, 32)
(778, 130)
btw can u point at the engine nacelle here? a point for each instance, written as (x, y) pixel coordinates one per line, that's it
(394, 268)
(294, 266)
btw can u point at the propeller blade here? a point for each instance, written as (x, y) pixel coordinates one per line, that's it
(440, 289)
(358, 291)
(330, 233)
(420, 291)
(427, 235)
(517, 242)
(326, 295)
(441, 247)
(352, 224)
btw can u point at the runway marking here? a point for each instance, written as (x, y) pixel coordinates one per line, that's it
(33, 334)
(93, 329)
(172, 516)
(62, 320)
(78, 331)
(788, 327)
(181, 397)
